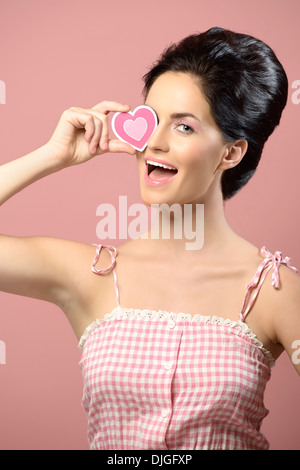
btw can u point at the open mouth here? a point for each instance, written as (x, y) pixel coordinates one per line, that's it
(160, 171)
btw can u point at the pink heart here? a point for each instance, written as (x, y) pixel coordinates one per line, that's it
(135, 127)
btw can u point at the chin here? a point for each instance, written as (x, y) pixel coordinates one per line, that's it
(150, 200)
(158, 199)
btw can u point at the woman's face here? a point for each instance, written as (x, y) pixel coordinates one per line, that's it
(186, 139)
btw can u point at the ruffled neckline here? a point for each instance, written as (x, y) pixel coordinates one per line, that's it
(120, 313)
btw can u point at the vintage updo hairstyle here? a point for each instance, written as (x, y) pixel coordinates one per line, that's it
(244, 84)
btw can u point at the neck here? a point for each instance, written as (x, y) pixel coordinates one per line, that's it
(192, 227)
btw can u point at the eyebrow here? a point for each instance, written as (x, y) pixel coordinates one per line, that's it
(183, 115)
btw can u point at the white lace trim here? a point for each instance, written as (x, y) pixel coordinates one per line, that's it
(120, 313)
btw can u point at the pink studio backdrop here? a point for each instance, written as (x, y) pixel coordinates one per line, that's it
(61, 53)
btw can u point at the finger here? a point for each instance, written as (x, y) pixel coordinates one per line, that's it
(78, 117)
(101, 134)
(94, 144)
(104, 135)
(117, 146)
(89, 129)
(107, 106)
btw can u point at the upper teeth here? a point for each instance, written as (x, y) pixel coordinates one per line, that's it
(150, 162)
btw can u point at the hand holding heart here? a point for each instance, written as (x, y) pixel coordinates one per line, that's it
(83, 133)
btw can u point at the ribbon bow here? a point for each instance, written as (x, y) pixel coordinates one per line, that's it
(113, 253)
(270, 262)
(274, 261)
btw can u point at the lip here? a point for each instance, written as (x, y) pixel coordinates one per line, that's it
(163, 162)
(161, 181)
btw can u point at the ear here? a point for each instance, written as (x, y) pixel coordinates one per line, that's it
(234, 153)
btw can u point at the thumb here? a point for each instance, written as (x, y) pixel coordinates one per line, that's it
(117, 146)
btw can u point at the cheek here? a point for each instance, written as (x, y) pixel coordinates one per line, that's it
(202, 156)
(187, 153)
(194, 158)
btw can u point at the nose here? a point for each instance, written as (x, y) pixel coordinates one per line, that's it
(159, 140)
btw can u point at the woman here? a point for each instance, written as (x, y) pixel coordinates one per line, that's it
(154, 377)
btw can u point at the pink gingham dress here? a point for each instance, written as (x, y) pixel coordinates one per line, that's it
(162, 380)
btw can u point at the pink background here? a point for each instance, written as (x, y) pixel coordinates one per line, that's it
(61, 53)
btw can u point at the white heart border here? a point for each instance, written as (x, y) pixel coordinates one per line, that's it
(132, 113)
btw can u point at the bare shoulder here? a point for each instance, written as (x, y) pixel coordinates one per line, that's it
(286, 315)
(287, 296)
(77, 259)
(287, 293)
(277, 309)
(289, 280)
(87, 294)
(280, 298)
(55, 270)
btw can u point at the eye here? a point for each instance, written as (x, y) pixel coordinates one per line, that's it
(184, 128)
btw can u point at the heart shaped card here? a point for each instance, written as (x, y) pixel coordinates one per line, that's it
(135, 127)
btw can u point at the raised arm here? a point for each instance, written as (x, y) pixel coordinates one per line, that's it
(80, 135)
(42, 267)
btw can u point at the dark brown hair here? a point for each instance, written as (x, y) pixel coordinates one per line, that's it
(244, 83)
